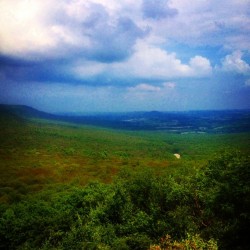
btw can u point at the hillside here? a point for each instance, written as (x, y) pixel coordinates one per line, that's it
(74, 186)
(24, 112)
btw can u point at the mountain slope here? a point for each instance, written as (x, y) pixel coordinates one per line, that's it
(24, 111)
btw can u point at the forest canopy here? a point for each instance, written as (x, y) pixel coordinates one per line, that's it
(205, 209)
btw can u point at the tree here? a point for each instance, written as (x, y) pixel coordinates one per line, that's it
(224, 193)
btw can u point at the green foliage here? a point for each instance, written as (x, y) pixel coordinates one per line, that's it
(137, 210)
(225, 195)
(51, 196)
(192, 242)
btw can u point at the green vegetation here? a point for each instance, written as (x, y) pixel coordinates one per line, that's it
(64, 186)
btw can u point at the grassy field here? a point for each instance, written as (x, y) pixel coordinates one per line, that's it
(37, 154)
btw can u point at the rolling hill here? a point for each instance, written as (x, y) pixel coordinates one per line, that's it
(230, 121)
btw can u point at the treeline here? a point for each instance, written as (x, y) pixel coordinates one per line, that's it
(208, 209)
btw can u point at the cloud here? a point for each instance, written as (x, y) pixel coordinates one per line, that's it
(106, 30)
(113, 42)
(45, 29)
(152, 62)
(144, 87)
(147, 88)
(128, 47)
(157, 9)
(200, 65)
(151, 95)
(212, 23)
(111, 38)
(235, 63)
(35, 29)
(147, 62)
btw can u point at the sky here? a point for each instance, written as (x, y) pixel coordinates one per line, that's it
(110, 55)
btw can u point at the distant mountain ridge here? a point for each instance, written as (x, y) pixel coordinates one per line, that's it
(229, 121)
(25, 111)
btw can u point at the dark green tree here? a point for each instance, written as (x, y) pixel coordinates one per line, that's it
(224, 193)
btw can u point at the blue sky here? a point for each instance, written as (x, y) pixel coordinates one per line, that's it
(109, 55)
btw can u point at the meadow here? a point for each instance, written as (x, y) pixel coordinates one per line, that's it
(73, 186)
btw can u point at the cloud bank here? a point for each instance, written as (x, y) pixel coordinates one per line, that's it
(126, 45)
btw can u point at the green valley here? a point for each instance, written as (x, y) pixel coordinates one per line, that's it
(68, 185)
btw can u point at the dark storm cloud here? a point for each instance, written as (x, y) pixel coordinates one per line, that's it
(20, 70)
(114, 42)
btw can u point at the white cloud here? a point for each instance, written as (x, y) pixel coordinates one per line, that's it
(144, 87)
(37, 29)
(152, 62)
(151, 93)
(24, 28)
(235, 63)
(147, 62)
(153, 88)
(52, 29)
(224, 23)
(200, 64)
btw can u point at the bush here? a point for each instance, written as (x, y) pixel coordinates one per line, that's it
(194, 242)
